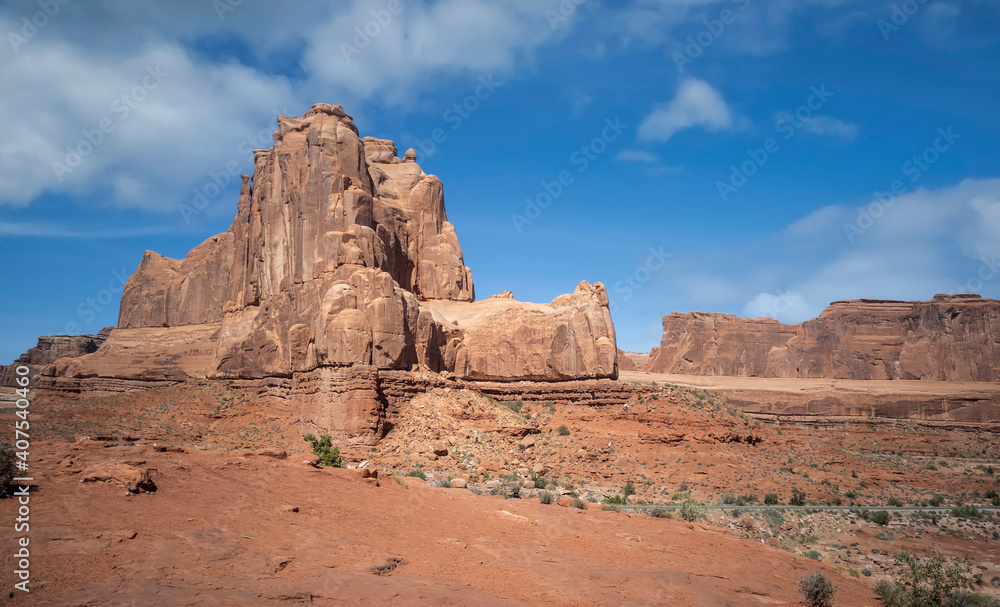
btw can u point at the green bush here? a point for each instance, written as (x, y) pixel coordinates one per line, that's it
(798, 498)
(817, 589)
(328, 454)
(563, 430)
(773, 517)
(885, 537)
(881, 518)
(771, 499)
(8, 469)
(578, 503)
(967, 511)
(692, 510)
(627, 490)
(814, 555)
(615, 500)
(545, 497)
(895, 502)
(937, 501)
(927, 581)
(417, 474)
(514, 405)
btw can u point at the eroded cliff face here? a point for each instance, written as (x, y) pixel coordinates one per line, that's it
(340, 255)
(951, 337)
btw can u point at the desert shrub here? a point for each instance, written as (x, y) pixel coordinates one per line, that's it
(514, 405)
(610, 508)
(881, 518)
(444, 483)
(578, 503)
(627, 490)
(660, 512)
(771, 499)
(937, 501)
(324, 449)
(563, 430)
(773, 517)
(417, 474)
(743, 500)
(817, 589)
(540, 483)
(8, 470)
(814, 555)
(967, 511)
(927, 581)
(994, 497)
(729, 499)
(798, 497)
(545, 497)
(692, 510)
(615, 500)
(895, 502)
(885, 537)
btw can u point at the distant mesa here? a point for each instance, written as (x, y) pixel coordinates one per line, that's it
(949, 338)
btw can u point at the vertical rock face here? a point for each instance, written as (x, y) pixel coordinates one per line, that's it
(951, 337)
(50, 349)
(341, 254)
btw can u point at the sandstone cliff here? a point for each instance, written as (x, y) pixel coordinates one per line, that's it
(951, 337)
(51, 348)
(340, 255)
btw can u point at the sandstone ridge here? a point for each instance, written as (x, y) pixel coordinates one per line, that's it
(949, 338)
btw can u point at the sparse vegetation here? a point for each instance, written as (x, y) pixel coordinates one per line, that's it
(692, 510)
(417, 473)
(7, 468)
(771, 499)
(660, 512)
(817, 589)
(929, 581)
(967, 511)
(324, 449)
(545, 497)
(880, 518)
(563, 430)
(798, 497)
(578, 503)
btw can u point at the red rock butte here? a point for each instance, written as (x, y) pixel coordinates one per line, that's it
(949, 338)
(340, 265)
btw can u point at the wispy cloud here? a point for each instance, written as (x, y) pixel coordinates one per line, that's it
(829, 126)
(696, 104)
(45, 230)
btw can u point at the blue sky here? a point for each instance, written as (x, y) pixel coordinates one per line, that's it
(736, 156)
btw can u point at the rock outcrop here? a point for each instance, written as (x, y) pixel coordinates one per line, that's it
(340, 256)
(951, 337)
(51, 348)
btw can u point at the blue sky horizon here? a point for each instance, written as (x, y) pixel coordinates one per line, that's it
(738, 156)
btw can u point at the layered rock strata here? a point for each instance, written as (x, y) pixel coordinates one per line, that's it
(951, 337)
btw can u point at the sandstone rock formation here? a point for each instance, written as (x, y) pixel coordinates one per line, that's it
(51, 348)
(951, 337)
(340, 263)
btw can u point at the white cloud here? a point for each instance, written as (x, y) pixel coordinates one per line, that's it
(928, 241)
(823, 125)
(696, 104)
(446, 37)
